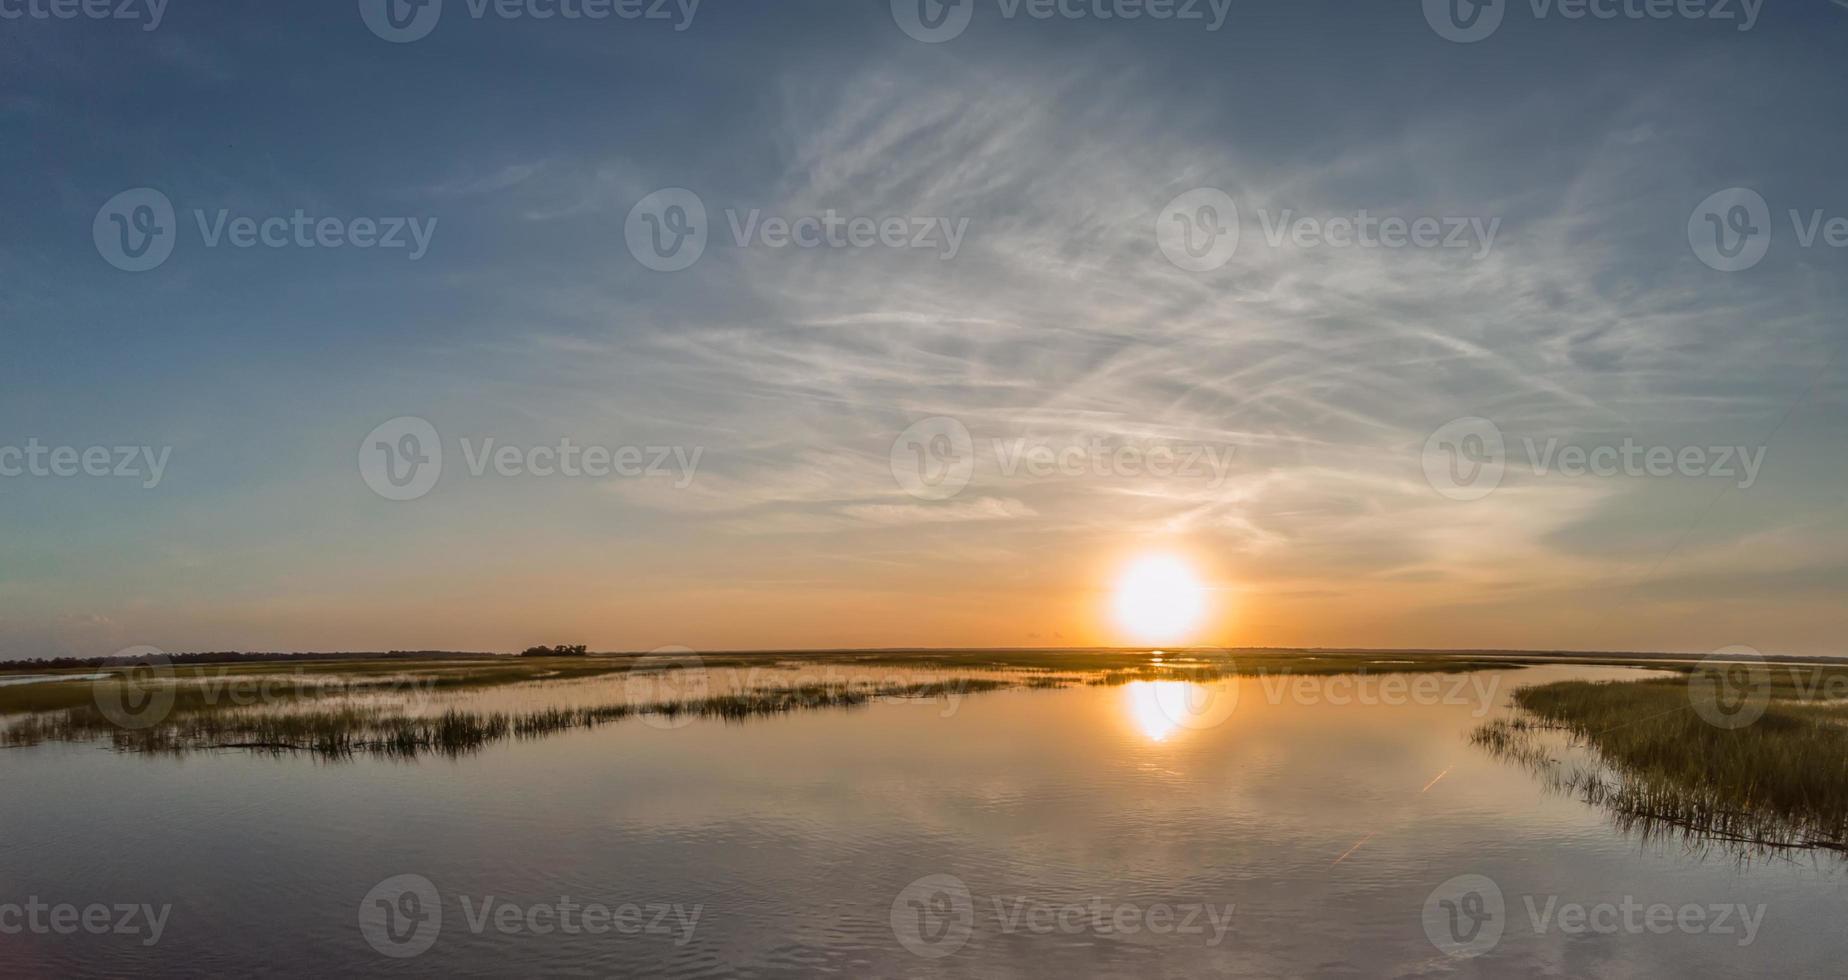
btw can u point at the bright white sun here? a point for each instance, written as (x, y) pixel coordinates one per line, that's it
(1159, 599)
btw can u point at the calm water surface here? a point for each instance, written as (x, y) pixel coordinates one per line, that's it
(15, 680)
(1038, 821)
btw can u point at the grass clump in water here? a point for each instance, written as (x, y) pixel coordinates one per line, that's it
(1775, 779)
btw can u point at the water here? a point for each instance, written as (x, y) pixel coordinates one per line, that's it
(14, 680)
(779, 848)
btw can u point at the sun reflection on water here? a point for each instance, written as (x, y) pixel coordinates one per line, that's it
(1151, 706)
(1160, 708)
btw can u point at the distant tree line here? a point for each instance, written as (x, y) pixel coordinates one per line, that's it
(561, 650)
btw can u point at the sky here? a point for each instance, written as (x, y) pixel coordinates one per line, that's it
(902, 325)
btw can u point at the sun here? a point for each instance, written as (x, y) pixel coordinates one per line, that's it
(1159, 599)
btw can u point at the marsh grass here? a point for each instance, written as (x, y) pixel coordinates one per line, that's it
(342, 708)
(208, 687)
(216, 686)
(348, 730)
(48, 696)
(1779, 782)
(1179, 662)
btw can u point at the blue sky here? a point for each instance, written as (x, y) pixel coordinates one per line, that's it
(1587, 320)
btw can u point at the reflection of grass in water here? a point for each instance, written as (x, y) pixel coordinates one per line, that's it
(205, 686)
(1219, 663)
(305, 707)
(1779, 782)
(1202, 669)
(198, 687)
(346, 731)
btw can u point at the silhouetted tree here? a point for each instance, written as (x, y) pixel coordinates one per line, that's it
(580, 650)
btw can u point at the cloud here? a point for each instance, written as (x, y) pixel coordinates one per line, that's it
(979, 509)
